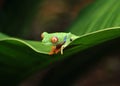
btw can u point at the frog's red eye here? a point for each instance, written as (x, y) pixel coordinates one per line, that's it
(42, 36)
(54, 39)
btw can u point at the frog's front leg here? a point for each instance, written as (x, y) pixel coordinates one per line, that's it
(53, 48)
(62, 47)
(58, 48)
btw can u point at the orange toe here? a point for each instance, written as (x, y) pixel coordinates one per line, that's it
(51, 53)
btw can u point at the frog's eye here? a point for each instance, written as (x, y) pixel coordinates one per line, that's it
(42, 36)
(54, 39)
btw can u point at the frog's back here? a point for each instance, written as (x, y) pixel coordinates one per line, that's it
(60, 34)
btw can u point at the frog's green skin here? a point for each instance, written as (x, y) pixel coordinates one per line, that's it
(63, 38)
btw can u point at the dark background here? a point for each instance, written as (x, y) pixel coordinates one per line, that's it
(20, 20)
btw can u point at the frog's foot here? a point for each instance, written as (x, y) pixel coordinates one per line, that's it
(52, 50)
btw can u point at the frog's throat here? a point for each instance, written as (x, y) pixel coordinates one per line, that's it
(60, 45)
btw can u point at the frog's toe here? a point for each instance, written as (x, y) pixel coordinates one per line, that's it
(51, 53)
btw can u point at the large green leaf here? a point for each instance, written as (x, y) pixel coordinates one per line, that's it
(97, 23)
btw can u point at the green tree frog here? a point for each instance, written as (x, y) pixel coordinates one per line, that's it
(58, 41)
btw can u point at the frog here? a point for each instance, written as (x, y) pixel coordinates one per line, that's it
(58, 41)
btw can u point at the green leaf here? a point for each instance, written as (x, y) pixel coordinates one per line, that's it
(21, 58)
(18, 58)
(98, 16)
(97, 23)
(94, 38)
